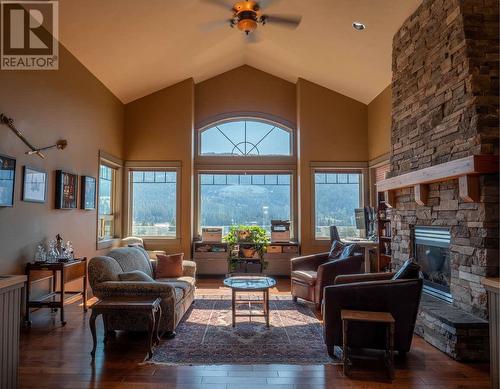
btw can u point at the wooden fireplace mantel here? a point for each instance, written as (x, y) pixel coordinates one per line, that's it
(465, 169)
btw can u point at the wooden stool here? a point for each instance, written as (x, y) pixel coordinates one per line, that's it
(149, 306)
(368, 317)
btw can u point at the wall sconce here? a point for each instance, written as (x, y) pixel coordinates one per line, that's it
(60, 145)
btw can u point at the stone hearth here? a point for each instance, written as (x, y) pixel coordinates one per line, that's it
(445, 107)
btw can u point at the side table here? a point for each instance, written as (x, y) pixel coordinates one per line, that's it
(368, 317)
(150, 307)
(68, 271)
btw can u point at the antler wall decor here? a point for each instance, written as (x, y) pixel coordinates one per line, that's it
(60, 145)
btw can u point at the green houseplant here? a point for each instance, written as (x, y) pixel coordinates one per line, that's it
(243, 242)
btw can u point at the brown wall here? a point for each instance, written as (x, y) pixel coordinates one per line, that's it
(159, 127)
(379, 124)
(331, 128)
(245, 91)
(68, 103)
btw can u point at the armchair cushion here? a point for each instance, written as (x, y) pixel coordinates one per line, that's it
(135, 275)
(306, 276)
(349, 251)
(409, 271)
(336, 249)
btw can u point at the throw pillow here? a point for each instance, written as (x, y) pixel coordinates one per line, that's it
(348, 251)
(135, 275)
(168, 266)
(409, 271)
(336, 249)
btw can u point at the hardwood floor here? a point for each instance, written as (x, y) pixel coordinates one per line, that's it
(54, 356)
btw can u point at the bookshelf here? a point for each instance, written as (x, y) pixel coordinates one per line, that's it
(384, 232)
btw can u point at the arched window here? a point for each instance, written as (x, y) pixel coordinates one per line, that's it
(245, 138)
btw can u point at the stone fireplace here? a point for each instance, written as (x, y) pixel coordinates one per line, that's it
(445, 108)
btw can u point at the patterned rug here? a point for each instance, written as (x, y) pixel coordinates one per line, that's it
(205, 336)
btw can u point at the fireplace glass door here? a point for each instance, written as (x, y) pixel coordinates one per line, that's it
(432, 253)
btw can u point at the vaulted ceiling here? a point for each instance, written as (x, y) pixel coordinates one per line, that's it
(136, 47)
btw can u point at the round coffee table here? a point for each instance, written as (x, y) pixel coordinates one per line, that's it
(250, 284)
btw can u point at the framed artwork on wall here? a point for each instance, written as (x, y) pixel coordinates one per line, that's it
(88, 192)
(7, 180)
(34, 185)
(66, 190)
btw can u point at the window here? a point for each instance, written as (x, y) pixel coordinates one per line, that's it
(239, 198)
(337, 195)
(245, 138)
(107, 193)
(153, 203)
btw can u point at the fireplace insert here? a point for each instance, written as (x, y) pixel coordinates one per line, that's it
(432, 253)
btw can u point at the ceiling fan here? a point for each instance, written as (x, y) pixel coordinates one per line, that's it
(247, 15)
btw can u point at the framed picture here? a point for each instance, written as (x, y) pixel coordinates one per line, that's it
(87, 201)
(66, 190)
(7, 180)
(34, 185)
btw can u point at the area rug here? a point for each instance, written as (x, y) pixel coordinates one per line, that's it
(205, 336)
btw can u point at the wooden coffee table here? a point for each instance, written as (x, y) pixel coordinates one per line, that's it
(250, 284)
(150, 307)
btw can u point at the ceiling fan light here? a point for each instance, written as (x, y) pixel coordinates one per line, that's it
(247, 25)
(358, 26)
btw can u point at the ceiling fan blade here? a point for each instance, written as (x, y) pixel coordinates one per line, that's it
(220, 3)
(289, 21)
(214, 25)
(267, 3)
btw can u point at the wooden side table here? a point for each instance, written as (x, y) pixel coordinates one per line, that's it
(150, 307)
(68, 271)
(368, 317)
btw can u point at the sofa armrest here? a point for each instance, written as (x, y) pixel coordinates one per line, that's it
(364, 277)
(309, 262)
(134, 289)
(189, 268)
(152, 253)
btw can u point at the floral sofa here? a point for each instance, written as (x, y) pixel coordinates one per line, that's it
(177, 294)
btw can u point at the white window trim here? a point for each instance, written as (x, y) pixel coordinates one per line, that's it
(107, 159)
(167, 166)
(336, 167)
(250, 170)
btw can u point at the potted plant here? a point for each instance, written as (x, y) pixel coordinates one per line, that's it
(244, 242)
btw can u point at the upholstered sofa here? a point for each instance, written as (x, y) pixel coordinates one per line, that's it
(177, 294)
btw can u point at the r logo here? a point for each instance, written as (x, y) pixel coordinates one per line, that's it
(29, 34)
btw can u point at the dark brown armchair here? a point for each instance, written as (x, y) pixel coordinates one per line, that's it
(311, 273)
(372, 292)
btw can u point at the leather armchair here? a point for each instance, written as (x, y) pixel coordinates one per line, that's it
(310, 274)
(371, 292)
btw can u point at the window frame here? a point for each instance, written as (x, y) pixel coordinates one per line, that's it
(245, 159)
(251, 171)
(116, 202)
(172, 167)
(255, 164)
(333, 168)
